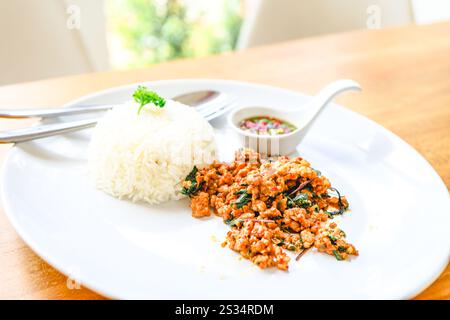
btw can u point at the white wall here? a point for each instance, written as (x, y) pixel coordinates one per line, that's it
(429, 11)
(36, 42)
(271, 21)
(279, 20)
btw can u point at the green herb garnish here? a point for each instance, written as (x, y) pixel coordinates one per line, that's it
(243, 199)
(287, 245)
(233, 221)
(330, 214)
(194, 187)
(342, 208)
(300, 200)
(144, 96)
(337, 255)
(333, 239)
(290, 246)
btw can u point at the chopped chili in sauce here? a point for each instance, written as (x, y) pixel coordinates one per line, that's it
(266, 125)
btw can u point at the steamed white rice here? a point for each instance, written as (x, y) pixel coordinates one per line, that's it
(145, 157)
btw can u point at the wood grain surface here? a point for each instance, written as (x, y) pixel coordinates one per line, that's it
(404, 72)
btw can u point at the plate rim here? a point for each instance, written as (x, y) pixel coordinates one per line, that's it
(53, 261)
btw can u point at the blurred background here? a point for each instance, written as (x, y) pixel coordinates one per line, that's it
(53, 38)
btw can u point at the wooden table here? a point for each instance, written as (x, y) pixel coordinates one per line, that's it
(405, 74)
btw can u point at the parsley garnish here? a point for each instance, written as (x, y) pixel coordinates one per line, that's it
(144, 96)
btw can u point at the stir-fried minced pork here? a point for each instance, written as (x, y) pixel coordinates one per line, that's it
(270, 206)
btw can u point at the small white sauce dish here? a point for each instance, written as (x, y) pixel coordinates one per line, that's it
(267, 145)
(285, 144)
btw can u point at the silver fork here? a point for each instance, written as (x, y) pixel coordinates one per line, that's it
(210, 104)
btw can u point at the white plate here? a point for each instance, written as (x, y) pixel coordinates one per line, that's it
(399, 217)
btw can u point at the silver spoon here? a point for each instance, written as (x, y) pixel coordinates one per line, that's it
(210, 104)
(193, 99)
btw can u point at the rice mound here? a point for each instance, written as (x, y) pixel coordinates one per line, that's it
(145, 157)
